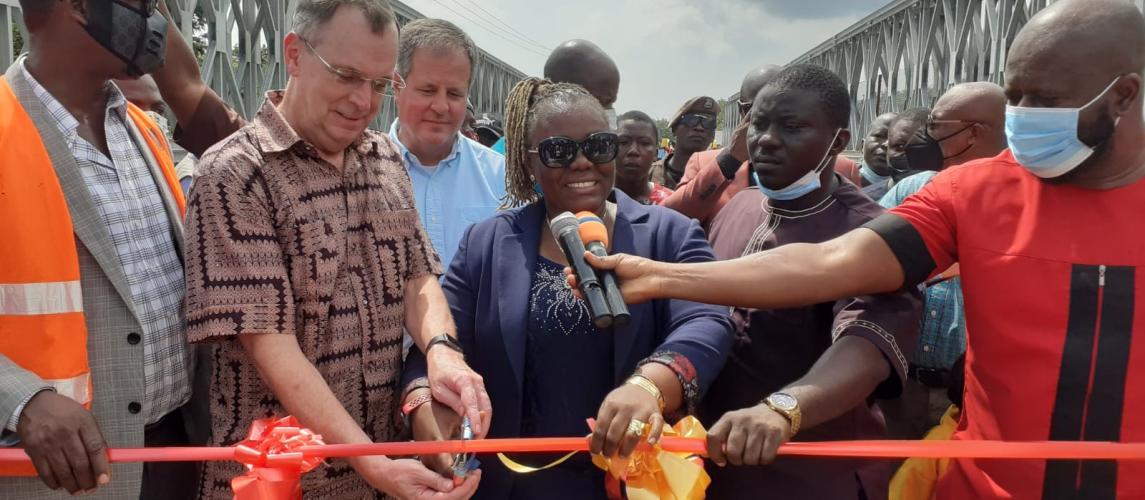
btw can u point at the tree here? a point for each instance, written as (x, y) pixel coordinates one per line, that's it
(720, 117)
(17, 41)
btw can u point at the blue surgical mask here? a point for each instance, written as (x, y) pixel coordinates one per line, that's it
(1045, 141)
(869, 174)
(803, 185)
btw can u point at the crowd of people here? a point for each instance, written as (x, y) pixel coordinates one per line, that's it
(404, 284)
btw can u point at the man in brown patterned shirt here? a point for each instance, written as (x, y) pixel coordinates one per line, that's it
(305, 259)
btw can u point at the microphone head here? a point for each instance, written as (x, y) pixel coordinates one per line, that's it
(563, 223)
(592, 228)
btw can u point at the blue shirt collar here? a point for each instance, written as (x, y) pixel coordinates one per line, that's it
(412, 160)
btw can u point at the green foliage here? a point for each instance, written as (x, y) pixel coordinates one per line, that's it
(720, 117)
(17, 41)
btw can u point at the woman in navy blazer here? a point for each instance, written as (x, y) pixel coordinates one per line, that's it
(546, 367)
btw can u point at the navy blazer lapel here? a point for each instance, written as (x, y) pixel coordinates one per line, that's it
(632, 235)
(514, 258)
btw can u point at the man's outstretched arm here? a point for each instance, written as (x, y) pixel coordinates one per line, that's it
(857, 263)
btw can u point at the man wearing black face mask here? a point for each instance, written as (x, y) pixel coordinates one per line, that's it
(968, 123)
(902, 128)
(101, 357)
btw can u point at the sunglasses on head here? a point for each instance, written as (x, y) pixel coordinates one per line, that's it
(560, 152)
(692, 119)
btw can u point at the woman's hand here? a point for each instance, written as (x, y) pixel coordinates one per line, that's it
(434, 421)
(624, 404)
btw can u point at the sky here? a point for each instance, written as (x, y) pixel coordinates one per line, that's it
(667, 50)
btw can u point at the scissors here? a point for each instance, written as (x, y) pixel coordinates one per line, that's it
(464, 462)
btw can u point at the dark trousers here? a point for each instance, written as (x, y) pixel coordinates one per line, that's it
(169, 480)
(915, 411)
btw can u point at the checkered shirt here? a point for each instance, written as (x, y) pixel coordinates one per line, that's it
(130, 205)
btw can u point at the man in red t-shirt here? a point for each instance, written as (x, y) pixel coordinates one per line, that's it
(1048, 236)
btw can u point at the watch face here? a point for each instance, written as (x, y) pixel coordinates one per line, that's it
(783, 401)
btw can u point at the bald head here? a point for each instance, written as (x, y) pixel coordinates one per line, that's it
(756, 79)
(971, 120)
(143, 92)
(583, 63)
(1091, 54)
(753, 81)
(1075, 31)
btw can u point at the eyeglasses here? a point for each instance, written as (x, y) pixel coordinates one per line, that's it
(692, 119)
(930, 126)
(560, 152)
(352, 78)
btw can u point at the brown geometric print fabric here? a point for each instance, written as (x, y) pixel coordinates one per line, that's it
(281, 242)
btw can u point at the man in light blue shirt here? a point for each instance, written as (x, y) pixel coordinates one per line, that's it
(967, 123)
(456, 180)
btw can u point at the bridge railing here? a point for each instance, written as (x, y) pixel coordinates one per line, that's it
(242, 53)
(908, 53)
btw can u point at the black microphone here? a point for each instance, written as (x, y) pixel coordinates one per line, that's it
(594, 234)
(564, 228)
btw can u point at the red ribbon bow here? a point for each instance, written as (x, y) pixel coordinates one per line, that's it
(274, 460)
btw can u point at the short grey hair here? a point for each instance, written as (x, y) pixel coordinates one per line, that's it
(436, 34)
(310, 15)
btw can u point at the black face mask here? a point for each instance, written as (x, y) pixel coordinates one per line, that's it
(898, 163)
(924, 152)
(137, 36)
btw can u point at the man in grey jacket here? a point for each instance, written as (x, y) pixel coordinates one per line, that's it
(128, 232)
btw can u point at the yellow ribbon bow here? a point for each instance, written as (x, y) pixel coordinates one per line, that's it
(658, 474)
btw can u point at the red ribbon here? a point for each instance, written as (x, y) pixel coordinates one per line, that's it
(277, 452)
(275, 462)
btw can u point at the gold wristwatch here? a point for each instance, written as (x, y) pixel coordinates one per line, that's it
(786, 405)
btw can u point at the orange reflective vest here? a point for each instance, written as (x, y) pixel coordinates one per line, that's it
(42, 325)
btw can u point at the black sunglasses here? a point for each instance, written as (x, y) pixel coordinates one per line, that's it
(560, 152)
(691, 120)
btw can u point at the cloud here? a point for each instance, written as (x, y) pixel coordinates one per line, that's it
(667, 50)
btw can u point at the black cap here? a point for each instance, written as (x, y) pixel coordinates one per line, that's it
(490, 122)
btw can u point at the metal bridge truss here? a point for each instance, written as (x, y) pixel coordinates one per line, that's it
(909, 52)
(243, 53)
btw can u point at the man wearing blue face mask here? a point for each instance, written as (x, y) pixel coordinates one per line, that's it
(1048, 238)
(853, 347)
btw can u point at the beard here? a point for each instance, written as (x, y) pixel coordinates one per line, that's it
(1097, 135)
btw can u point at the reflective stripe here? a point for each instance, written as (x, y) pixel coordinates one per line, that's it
(78, 388)
(41, 298)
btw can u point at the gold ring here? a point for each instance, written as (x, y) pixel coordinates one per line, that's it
(636, 428)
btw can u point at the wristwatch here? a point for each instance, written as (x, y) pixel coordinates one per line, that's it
(445, 339)
(786, 405)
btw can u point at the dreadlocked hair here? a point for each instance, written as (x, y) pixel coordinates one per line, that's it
(530, 98)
